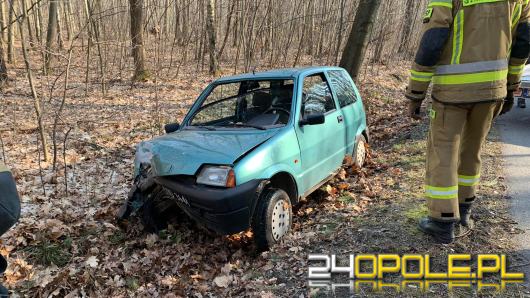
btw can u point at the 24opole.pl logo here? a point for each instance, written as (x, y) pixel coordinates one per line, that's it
(413, 270)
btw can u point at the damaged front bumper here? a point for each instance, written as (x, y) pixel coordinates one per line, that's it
(225, 211)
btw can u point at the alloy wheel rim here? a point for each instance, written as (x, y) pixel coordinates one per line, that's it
(280, 219)
(361, 153)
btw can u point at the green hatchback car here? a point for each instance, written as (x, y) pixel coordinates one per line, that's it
(250, 148)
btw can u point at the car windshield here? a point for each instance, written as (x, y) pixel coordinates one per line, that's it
(246, 104)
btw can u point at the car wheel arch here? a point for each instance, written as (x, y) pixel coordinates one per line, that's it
(282, 180)
(286, 182)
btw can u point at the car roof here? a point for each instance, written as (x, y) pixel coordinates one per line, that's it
(283, 73)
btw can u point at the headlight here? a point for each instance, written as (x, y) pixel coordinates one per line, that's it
(221, 176)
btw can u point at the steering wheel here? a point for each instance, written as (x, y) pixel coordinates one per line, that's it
(282, 110)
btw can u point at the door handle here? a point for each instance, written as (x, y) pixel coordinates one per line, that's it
(340, 119)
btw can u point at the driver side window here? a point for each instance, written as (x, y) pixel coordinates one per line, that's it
(316, 96)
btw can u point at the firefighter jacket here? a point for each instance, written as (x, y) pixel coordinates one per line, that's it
(9, 200)
(471, 50)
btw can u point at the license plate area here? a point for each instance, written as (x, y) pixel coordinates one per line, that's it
(181, 199)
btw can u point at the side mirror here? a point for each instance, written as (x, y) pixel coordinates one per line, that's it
(172, 127)
(313, 119)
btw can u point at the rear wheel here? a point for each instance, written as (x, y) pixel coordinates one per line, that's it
(360, 152)
(273, 218)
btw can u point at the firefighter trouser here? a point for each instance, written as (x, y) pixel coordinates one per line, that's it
(456, 135)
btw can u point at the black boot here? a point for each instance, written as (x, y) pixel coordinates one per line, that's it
(465, 215)
(521, 102)
(443, 232)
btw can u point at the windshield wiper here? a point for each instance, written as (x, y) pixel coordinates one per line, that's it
(249, 125)
(203, 126)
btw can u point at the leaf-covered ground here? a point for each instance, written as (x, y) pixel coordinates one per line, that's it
(68, 244)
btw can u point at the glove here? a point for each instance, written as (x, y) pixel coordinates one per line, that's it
(415, 109)
(508, 103)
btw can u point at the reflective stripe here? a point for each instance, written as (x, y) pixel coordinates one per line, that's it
(458, 37)
(516, 70)
(3, 168)
(516, 15)
(472, 78)
(444, 3)
(472, 67)
(468, 180)
(443, 193)
(421, 76)
(473, 2)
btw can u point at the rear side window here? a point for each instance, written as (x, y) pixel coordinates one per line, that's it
(316, 96)
(342, 85)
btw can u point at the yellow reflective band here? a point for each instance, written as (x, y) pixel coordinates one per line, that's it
(428, 14)
(468, 180)
(516, 15)
(516, 70)
(444, 3)
(472, 78)
(442, 193)
(421, 76)
(3, 168)
(473, 2)
(432, 114)
(458, 37)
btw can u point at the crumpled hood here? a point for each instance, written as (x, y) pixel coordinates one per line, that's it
(183, 152)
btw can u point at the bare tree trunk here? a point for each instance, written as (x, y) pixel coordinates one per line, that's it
(36, 101)
(11, 33)
(3, 21)
(38, 23)
(3, 68)
(353, 55)
(30, 32)
(212, 40)
(59, 30)
(137, 36)
(227, 32)
(51, 35)
(407, 27)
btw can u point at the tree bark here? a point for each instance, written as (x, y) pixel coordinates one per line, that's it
(137, 37)
(11, 32)
(2, 21)
(36, 100)
(212, 40)
(3, 68)
(30, 31)
(51, 36)
(353, 55)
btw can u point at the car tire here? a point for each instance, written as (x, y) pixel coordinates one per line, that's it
(359, 154)
(272, 219)
(158, 209)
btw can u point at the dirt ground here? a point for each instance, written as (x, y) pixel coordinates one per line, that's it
(68, 244)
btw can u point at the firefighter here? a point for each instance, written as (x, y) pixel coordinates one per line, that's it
(9, 211)
(474, 53)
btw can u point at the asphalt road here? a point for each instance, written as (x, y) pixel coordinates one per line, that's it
(514, 129)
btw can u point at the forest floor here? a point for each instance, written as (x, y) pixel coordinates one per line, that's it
(67, 242)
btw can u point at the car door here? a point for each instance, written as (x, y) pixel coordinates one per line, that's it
(322, 146)
(346, 97)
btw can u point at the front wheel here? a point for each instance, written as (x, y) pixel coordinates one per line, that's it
(273, 218)
(158, 209)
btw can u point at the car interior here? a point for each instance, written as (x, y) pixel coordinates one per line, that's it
(257, 104)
